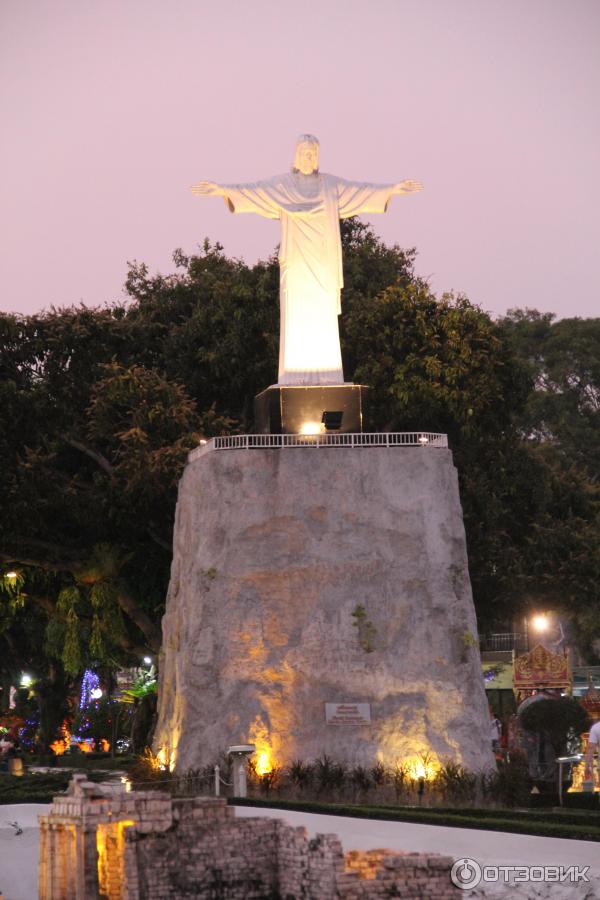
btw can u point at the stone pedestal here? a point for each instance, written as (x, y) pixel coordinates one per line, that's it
(310, 410)
(320, 603)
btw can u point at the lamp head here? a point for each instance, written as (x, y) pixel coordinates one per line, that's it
(241, 749)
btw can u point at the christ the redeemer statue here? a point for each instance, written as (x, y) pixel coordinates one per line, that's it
(310, 205)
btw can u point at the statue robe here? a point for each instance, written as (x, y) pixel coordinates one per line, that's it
(310, 259)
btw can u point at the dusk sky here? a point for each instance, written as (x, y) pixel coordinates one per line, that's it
(111, 110)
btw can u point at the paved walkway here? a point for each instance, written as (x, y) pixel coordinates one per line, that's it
(19, 852)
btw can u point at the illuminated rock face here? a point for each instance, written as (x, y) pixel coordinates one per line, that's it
(305, 577)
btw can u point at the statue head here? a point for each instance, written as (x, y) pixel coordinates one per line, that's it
(306, 158)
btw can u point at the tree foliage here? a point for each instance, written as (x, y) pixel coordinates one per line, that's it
(563, 359)
(560, 427)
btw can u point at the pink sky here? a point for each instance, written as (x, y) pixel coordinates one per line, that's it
(112, 108)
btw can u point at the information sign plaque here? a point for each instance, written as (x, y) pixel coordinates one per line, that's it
(348, 713)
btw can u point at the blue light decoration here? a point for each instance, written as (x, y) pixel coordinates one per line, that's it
(492, 673)
(27, 734)
(89, 683)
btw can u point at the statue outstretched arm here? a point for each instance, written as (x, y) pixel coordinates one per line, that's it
(257, 197)
(356, 197)
(407, 187)
(207, 189)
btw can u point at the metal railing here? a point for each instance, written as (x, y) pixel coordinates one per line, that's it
(503, 641)
(189, 784)
(387, 439)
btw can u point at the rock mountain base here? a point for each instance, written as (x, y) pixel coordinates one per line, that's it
(305, 577)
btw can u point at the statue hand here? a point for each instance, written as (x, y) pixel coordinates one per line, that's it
(206, 189)
(408, 187)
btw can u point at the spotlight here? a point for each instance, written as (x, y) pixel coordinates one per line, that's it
(310, 428)
(332, 420)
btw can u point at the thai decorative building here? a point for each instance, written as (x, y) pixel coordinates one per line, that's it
(541, 670)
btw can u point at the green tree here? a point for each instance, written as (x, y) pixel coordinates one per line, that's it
(213, 327)
(563, 359)
(101, 485)
(560, 426)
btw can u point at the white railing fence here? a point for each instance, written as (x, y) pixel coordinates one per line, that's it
(422, 439)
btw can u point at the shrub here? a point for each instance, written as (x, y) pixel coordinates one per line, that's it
(269, 781)
(511, 784)
(379, 774)
(330, 775)
(360, 778)
(401, 780)
(456, 784)
(301, 774)
(148, 770)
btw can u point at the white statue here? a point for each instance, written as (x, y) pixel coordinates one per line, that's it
(310, 205)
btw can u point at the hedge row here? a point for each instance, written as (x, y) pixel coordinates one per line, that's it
(37, 788)
(562, 825)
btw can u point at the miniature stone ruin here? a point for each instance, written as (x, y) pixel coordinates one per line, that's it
(103, 842)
